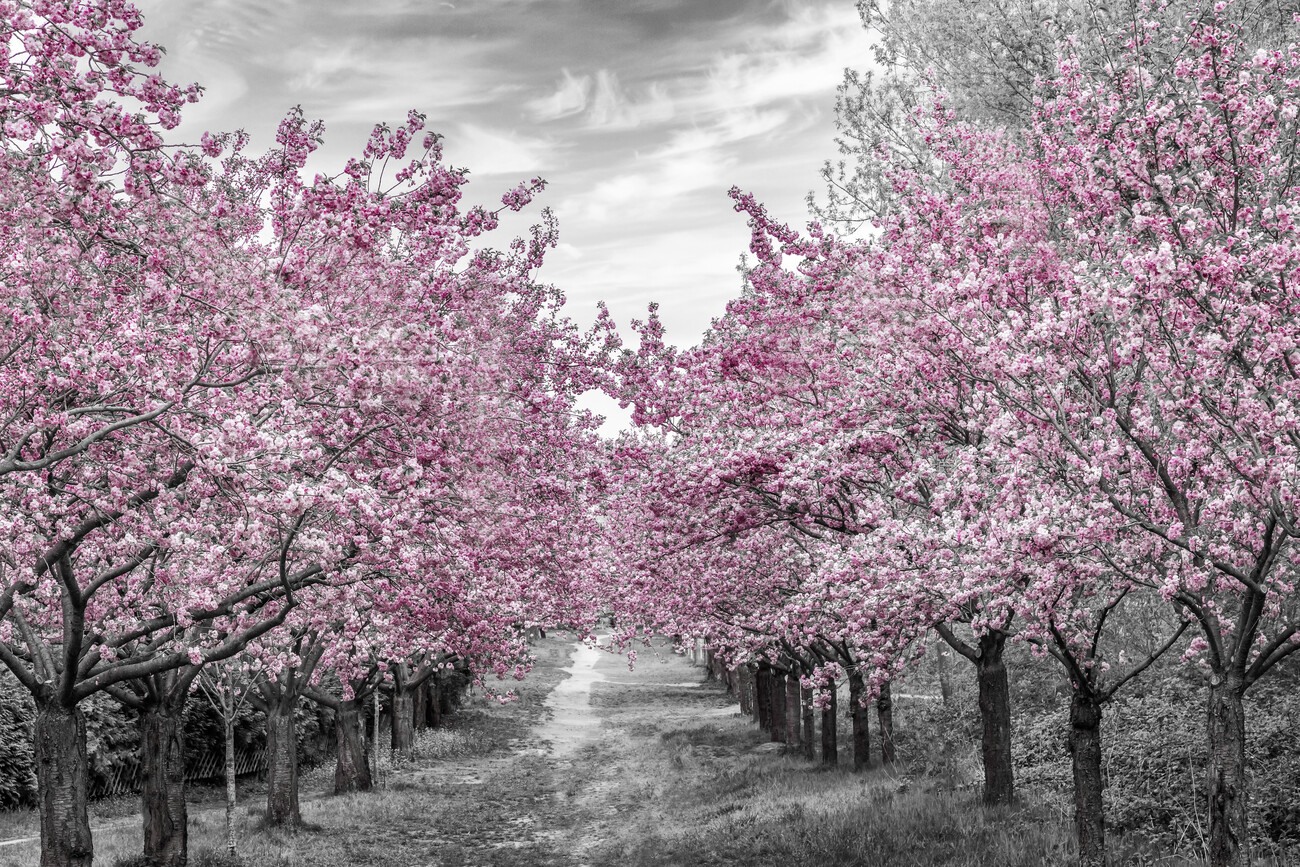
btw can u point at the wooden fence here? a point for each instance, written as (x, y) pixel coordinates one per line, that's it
(126, 778)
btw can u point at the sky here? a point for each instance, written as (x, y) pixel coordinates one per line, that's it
(639, 114)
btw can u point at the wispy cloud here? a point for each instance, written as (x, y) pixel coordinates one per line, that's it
(497, 151)
(570, 97)
(640, 113)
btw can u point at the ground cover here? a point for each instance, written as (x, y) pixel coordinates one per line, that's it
(644, 768)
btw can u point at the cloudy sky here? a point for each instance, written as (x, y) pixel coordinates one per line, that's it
(639, 113)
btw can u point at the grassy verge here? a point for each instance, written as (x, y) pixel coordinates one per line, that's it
(458, 803)
(711, 793)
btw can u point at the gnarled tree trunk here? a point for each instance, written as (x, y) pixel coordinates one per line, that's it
(62, 776)
(439, 701)
(282, 771)
(403, 733)
(763, 706)
(1229, 843)
(858, 714)
(352, 766)
(793, 712)
(162, 798)
(778, 706)
(1085, 752)
(995, 716)
(885, 714)
(420, 705)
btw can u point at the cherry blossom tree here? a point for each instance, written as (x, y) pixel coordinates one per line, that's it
(223, 384)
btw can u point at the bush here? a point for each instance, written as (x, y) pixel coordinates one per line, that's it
(17, 771)
(1154, 759)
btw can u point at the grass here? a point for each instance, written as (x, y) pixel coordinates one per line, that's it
(673, 778)
(718, 802)
(458, 799)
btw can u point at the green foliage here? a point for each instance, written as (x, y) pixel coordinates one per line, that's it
(17, 772)
(112, 742)
(1155, 753)
(205, 730)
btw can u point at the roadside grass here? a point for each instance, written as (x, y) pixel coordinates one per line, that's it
(434, 809)
(713, 793)
(719, 802)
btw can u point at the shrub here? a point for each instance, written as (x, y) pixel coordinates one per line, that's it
(17, 771)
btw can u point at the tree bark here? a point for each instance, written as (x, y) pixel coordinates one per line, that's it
(420, 705)
(885, 714)
(995, 716)
(778, 706)
(945, 678)
(710, 673)
(809, 747)
(352, 767)
(62, 775)
(763, 693)
(282, 771)
(162, 798)
(230, 782)
(403, 733)
(1226, 784)
(448, 697)
(830, 749)
(438, 704)
(861, 720)
(793, 712)
(376, 780)
(1085, 751)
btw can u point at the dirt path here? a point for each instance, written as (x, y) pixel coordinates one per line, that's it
(574, 779)
(554, 779)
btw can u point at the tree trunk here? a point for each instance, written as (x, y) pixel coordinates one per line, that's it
(420, 705)
(437, 702)
(162, 798)
(376, 780)
(710, 673)
(447, 699)
(830, 749)
(885, 714)
(861, 721)
(945, 678)
(62, 775)
(778, 706)
(1085, 750)
(995, 715)
(403, 734)
(1229, 843)
(352, 768)
(763, 692)
(793, 714)
(230, 782)
(809, 747)
(282, 770)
